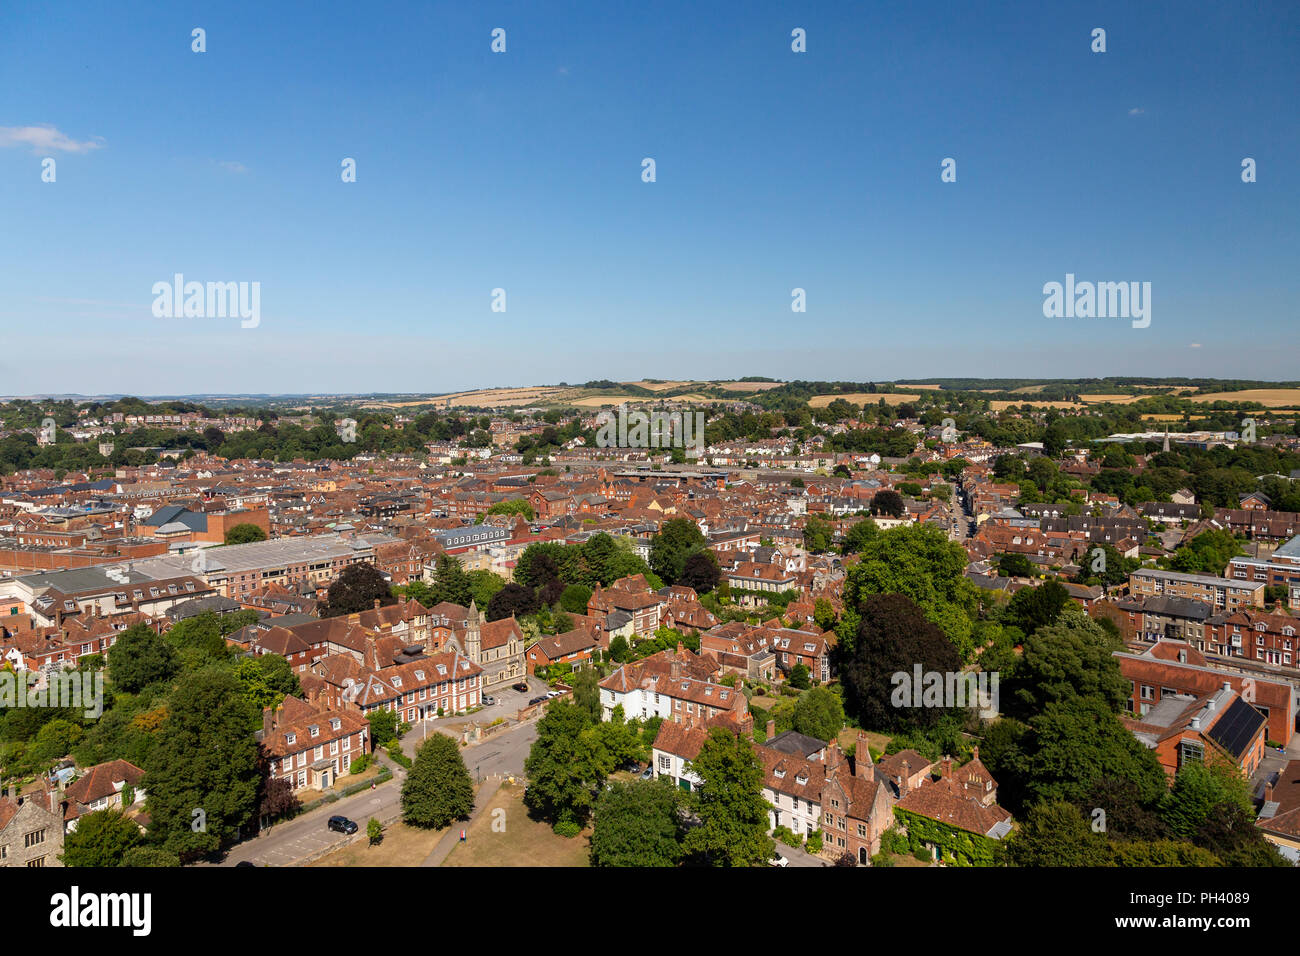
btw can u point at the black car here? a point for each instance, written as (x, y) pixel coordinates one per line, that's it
(522, 687)
(342, 825)
(538, 700)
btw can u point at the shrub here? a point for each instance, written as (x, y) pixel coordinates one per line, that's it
(359, 764)
(815, 842)
(567, 828)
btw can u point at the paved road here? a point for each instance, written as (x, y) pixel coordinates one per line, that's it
(508, 703)
(288, 844)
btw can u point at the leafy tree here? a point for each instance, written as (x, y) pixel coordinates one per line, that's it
(618, 649)
(1032, 608)
(586, 691)
(267, 679)
(514, 506)
(893, 636)
(374, 831)
(102, 838)
(245, 534)
(483, 586)
(383, 727)
(1079, 740)
(513, 599)
(450, 582)
(139, 657)
(819, 713)
(356, 589)
(638, 823)
(677, 539)
(206, 760)
(730, 804)
(1015, 566)
(574, 598)
(1072, 658)
(888, 502)
(817, 534)
(799, 677)
(917, 561)
(437, 790)
(1207, 553)
(55, 740)
(149, 856)
(859, 536)
(701, 572)
(564, 766)
(1056, 834)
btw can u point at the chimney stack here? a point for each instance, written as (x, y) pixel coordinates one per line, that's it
(376, 604)
(947, 766)
(1268, 792)
(976, 752)
(902, 780)
(771, 729)
(862, 763)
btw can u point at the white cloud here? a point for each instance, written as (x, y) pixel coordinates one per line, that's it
(232, 166)
(1136, 111)
(44, 139)
(1194, 345)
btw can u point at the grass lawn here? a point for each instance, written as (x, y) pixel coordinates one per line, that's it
(401, 846)
(849, 736)
(525, 842)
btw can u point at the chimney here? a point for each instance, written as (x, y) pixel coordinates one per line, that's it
(976, 752)
(862, 764)
(268, 721)
(833, 756)
(1268, 792)
(902, 780)
(676, 670)
(947, 766)
(376, 604)
(771, 729)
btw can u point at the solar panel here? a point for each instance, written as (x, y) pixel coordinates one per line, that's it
(1237, 727)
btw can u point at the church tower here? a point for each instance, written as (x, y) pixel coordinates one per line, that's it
(473, 636)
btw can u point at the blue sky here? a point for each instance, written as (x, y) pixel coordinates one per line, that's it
(522, 171)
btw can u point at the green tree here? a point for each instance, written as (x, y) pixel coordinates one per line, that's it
(101, 839)
(1073, 658)
(564, 766)
(149, 856)
(638, 823)
(139, 657)
(1056, 834)
(1207, 553)
(383, 727)
(202, 776)
(730, 804)
(859, 536)
(374, 831)
(817, 534)
(245, 534)
(574, 598)
(677, 539)
(819, 713)
(437, 790)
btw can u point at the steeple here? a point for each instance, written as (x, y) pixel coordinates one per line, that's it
(473, 637)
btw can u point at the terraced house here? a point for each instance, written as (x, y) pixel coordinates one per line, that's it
(311, 747)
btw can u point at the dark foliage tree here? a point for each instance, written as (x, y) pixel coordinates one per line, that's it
(888, 502)
(701, 572)
(677, 539)
(893, 637)
(356, 589)
(245, 534)
(512, 599)
(101, 839)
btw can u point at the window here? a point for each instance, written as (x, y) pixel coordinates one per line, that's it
(34, 838)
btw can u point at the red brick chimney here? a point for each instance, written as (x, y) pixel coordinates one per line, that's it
(771, 729)
(1268, 792)
(902, 780)
(947, 766)
(975, 752)
(862, 764)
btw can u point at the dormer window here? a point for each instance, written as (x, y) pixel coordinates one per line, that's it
(290, 738)
(397, 682)
(779, 774)
(419, 675)
(314, 730)
(335, 723)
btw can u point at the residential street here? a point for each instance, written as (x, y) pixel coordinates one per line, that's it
(291, 843)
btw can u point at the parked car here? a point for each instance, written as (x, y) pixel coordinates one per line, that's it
(778, 860)
(631, 766)
(342, 825)
(554, 693)
(489, 701)
(522, 687)
(648, 773)
(538, 700)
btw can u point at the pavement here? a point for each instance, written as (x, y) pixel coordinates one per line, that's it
(452, 836)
